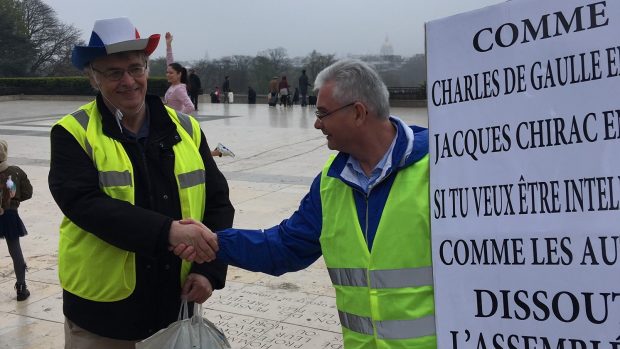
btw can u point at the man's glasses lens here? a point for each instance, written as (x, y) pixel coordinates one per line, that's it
(117, 74)
(321, 114)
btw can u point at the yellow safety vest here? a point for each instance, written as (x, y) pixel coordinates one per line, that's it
(90, 267)
(384, 297)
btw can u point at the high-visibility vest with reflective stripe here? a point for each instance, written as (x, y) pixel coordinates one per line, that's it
(90, 267)
(384, 297)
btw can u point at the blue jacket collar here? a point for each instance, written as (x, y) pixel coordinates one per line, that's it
(411, 146)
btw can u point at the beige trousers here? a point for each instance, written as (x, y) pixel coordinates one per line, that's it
(78, 338)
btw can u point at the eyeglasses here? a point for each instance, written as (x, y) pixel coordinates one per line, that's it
(117, 74)
(323, 114)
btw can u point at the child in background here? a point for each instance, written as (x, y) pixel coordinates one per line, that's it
(11, 225)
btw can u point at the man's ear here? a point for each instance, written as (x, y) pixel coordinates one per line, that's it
(361, 112)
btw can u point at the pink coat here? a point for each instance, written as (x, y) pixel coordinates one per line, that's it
(176, 96)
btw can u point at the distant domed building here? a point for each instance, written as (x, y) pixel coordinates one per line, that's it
(386, 48)
(385, 61)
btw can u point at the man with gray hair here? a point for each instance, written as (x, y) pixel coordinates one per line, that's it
(131, 176)
(367, 213)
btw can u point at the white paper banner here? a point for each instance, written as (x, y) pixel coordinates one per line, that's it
(524, 115)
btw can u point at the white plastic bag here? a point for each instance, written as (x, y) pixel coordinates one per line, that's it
(187, 333)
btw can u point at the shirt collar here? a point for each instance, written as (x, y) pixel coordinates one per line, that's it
(354, 173)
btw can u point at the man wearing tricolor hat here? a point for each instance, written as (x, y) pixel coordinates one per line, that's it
(134, 179)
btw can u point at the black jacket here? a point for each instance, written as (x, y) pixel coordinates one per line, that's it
(303, 84)
(194, 84)
(141, 228)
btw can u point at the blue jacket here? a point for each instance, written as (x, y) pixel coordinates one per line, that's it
(294, 243)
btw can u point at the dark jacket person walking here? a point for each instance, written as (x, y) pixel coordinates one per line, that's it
(195, 87)
(303, 87)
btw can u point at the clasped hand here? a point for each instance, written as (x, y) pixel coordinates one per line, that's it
(192, 241)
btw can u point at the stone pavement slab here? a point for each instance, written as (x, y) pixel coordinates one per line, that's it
(278, 153)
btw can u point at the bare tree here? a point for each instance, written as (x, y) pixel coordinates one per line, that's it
(63, 66)
(157, 67)
(278, 58)
(49, 37)
(315, 62)
(261, 71)
(15, 49)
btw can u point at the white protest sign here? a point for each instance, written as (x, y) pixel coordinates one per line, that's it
(524, 115)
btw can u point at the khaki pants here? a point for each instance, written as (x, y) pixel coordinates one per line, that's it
(78, 338)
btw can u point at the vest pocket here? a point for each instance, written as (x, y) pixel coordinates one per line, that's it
(92, 269)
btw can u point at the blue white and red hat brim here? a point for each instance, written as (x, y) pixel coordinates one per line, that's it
(112, 36)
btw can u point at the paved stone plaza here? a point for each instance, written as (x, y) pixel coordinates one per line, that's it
(278, 153)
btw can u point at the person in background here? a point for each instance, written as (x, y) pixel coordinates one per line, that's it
(216, 94)
(213, 97)
(226, 89)
(367, 213)
(303, 87)
(15, 188)
(133, 178)
(283, 89)
(273, 91)
(195, 87)
(176, 95)
(251, 95)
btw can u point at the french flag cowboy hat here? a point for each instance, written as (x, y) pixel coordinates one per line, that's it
(112, 36)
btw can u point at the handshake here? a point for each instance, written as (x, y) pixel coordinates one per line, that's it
(192, 241)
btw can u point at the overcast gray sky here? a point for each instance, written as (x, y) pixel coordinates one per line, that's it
(213, 29)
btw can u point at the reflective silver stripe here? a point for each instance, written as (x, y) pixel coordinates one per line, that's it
(391, 329)
(114, 178)
(403, 329)
(82, 118)
(348, 276)
(191, 179)
(186, 123)
(389, 278)
(396, 278)
(89, 149)
(356, 323)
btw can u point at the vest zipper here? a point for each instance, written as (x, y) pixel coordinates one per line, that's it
(366, 224)
(368, 281)
(366, 196)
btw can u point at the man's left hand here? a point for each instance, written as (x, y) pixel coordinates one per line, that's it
(197, 288)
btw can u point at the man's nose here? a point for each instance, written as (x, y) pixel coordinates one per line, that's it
(127, 78)
(318, 124)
